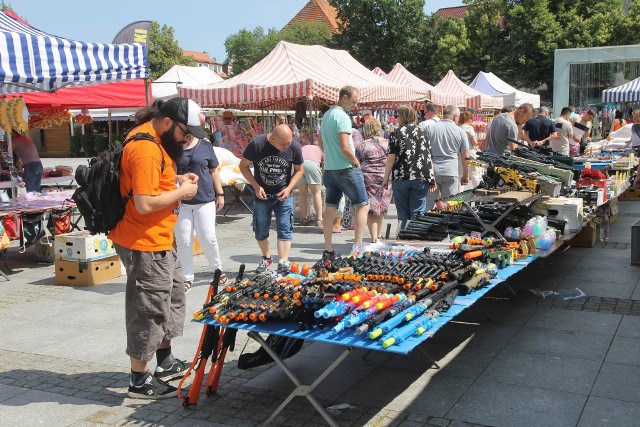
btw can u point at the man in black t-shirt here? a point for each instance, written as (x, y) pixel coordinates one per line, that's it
(272, 156)
(538, 129)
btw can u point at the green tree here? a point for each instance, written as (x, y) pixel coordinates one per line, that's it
(485, 33)
(305, 32)
(380, 33)
(444, 46)
(246, 48)
(164, 51)
(5, 6)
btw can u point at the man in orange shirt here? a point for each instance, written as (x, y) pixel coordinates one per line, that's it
(143, 238)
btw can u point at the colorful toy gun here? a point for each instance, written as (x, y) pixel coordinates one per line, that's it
(477, 281)
(392, 311)
(238, 282)
(400, 335)
(333, 309)
(359, 316)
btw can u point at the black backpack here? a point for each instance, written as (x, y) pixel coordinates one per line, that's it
(98, 195)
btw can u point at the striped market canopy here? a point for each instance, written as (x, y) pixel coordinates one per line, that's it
(404, 77)
(32, 60)
(294, 71)
(379, 72)
(628, 92)
(451, 84)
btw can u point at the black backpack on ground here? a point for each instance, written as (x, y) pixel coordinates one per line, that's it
(98, 195)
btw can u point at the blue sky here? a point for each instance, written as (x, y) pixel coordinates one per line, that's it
(200, 25)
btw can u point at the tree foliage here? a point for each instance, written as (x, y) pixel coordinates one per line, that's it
(380, 33)
(444, 46)
(164, 51)
(246, 48)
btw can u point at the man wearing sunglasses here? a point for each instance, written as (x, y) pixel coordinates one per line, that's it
(272, 156)
(143, 238)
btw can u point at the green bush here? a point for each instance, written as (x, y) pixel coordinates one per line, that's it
(75, 145)
(87, 145)
(101, 143)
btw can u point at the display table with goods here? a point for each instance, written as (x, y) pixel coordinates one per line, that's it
(382, 297)
(27, 219)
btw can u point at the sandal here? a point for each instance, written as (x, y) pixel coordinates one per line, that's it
(337, 230)
(319, 223)
(305, 221)
(187, 286)
(223, 279)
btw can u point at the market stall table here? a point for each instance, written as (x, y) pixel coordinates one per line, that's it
(350, 340)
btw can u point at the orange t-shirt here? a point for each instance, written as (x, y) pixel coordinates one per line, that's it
(140, 171)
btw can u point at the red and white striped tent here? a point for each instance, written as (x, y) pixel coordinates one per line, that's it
(379, 72)
(404, 77)
(294, 71)
(451, 84)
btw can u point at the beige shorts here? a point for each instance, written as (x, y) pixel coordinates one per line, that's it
(154, 301)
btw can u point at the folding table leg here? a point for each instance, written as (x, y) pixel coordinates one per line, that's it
(301, 389)
(430, 358)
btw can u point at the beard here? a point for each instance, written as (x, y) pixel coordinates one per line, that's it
(171, 145)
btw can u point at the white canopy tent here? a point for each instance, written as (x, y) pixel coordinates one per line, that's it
(166, 86)
(490, 84)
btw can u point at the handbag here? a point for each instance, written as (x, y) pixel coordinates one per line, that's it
(59, 221)
(33, 229)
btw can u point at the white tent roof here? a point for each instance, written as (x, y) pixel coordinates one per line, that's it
(166, 86)
(490, 84)
(451, 84)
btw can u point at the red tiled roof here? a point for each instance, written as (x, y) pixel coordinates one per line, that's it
(318, 11)
(458, 12)
(200, 57)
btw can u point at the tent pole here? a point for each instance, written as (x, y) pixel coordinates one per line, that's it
(14, 193)
(311, 127)
(109, 140)
(146, 90)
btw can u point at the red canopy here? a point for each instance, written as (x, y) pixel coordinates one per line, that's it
(122, 94)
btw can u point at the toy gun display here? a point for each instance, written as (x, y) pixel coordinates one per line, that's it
(421, 324)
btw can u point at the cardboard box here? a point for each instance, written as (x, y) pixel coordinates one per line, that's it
(568, 209)
(44, 249)
(592, 196)
(601, 183)
(586, 238)
(82, 246)
(87, 273)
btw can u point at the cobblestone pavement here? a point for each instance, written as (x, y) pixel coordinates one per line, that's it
(40, 385)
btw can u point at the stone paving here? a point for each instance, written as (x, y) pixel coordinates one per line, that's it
(538, 362)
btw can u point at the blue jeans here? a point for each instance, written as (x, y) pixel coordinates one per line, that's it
(33, 176)
(349, 182)
(410, 197)
(262, 210)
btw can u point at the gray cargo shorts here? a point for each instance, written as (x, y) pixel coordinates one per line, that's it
(155, 302)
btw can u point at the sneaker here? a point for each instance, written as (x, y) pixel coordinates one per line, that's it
(176, 370)
(152, 388)
(284, 266)
(264, 265)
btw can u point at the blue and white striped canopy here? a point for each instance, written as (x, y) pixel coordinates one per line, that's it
(628, 92)
(31, 60)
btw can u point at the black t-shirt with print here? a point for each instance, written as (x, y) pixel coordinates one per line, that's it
(272, 168)
(413, 154)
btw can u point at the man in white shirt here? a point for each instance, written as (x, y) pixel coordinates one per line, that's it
(565, 133)
(430, 116)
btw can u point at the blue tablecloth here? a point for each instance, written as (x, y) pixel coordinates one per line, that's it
(349, 338)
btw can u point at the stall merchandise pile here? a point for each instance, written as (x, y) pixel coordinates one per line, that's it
(388, 296)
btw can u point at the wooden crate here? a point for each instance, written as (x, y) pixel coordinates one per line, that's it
(630, 194)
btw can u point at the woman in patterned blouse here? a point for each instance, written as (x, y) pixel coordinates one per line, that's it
(372, 154)
(409, 166)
